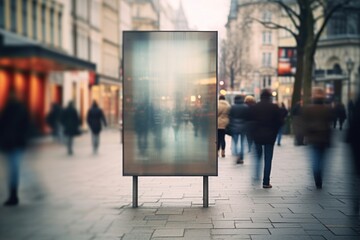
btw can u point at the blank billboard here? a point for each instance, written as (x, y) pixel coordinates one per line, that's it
(169, 103)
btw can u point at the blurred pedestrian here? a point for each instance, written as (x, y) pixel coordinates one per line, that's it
(53, 119)
(297, 124)
(353, 139)
(223, 121)
(14, 135)
(95, 118)
(238, 125)
(339, 114)
(266, 119)
(250, 101)
(283, 114)
(71, 123)
(317, 119)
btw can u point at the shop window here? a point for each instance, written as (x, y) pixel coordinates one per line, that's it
(24, 17)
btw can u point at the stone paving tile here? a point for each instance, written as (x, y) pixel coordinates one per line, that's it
(224, 224)
(278, 237)
(252, 231)
(168, 232)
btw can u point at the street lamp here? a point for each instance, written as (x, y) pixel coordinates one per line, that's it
(349, 66)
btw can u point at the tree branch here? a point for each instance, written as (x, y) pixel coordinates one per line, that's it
(290, 12)
(272, 25)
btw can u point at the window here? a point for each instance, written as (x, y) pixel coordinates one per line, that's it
(34, 19)
(13, 15)
(60, 29)
(266, 59)
(2, 14)
(266, 81)
(82, 46)
(43, 22)
(266, 16)
(95, 13)
(24, 17)
(266, 37)
(52, 27)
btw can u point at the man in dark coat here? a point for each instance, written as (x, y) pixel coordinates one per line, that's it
(71, 123)
(353, 139)
(265, 116)
(317, 119)
(53, 120)
(95, 119)
(339, 114)
(14, 135)
(238, 125)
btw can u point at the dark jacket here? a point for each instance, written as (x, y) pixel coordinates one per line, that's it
(239, 114)
(94, 118)
(70, 121)
(283, 114)
(317, 118)
(54, 116)
(14, 126)
(353, 135)
(340, 111)
(266, 120)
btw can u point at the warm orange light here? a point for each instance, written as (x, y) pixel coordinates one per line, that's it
(34, 92)
(4, 86)
(19, 84)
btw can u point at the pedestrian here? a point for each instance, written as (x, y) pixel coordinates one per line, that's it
(250, 101)
(223, 121)
(317, 119)
(14, 135)
(238, 125)
(95, 118)
(266, 119)
(283, 114)
(297, 124)
(339, 114)
(71, 122)
(353, 139)
(53, 119)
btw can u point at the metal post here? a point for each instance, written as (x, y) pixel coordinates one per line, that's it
(135, 191)
(205, 191)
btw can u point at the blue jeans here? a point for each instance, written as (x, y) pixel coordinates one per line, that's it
(239, 151)
(279, 135)
(268, 155)
(317, 158)
(13, 159)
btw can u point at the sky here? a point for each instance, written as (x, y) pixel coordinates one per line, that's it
(206, 14)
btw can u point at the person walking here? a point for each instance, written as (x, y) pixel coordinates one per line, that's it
(317, 119)
(352, 138)
(283, 114)
(53, 119)
(339, 114)
(238, 124)
(71, 123)
(267, 120)
(223, 121)
(249, 101)
(14, 135)
(95, 118)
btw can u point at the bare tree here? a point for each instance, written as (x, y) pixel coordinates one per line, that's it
(303, 16)
(238, 65)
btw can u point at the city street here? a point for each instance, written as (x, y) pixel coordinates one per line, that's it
(85, 197)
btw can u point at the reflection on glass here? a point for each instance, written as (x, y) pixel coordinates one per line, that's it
(170, 103)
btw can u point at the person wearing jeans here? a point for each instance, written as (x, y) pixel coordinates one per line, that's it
(317, 119)
(265, 118)
(223, 121)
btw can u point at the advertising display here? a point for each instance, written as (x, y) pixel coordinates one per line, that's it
(286, 61)
(169, 103)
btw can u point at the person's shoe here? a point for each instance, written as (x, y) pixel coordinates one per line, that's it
(222, 153)
(267, 186)
(240, 160)
(11, 202)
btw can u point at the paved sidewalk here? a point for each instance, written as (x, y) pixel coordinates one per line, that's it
(85, 197)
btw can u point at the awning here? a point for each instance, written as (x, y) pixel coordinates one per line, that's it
(41, 59)
(19, 52)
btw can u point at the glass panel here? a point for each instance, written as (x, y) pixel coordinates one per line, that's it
(170, 103)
